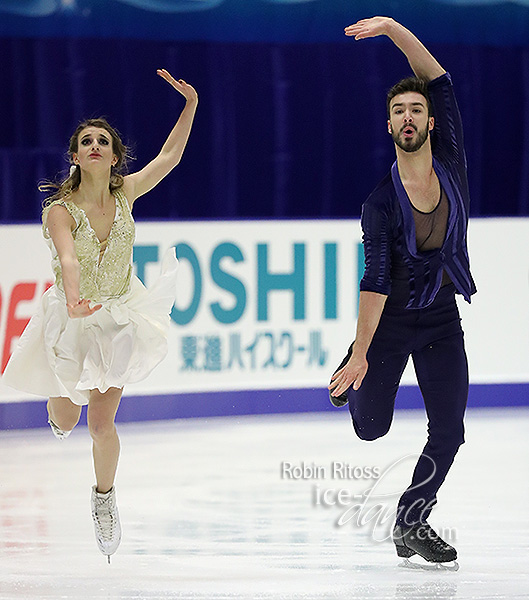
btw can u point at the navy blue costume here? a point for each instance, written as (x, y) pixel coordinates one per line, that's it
(420, 317)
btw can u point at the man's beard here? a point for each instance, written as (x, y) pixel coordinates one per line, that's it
(411, 146)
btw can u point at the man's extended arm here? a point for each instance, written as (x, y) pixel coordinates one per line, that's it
(352, 374)
(374, 290)
(423, 64)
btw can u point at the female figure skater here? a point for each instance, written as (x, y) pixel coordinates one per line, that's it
(97, 328)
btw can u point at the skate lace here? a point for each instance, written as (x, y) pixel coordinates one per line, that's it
(105, 517)
(437, 543)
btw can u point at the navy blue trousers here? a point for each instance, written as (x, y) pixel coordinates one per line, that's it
(434, 339)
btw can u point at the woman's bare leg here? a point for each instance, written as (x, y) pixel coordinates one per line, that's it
(63, 412)
(102, 410)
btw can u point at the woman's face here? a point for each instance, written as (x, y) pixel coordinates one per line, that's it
(94, 150)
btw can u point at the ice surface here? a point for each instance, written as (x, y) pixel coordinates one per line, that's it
(209, 511)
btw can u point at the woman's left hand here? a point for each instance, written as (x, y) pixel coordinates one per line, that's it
(187, 91)
(82, 309)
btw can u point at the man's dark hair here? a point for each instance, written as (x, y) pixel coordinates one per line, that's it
(410, 84)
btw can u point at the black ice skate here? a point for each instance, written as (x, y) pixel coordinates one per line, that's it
(422, 540)
(342, 399)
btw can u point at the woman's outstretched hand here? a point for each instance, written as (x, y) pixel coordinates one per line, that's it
(82, 309)
(187, 91)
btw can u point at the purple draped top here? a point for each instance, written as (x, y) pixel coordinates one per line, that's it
(389, 227)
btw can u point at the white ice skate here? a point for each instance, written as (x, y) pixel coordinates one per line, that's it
(59, 433)
(106, 521)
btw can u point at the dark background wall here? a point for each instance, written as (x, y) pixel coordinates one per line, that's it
(291, 120)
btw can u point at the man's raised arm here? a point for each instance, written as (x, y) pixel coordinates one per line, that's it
(423, 64)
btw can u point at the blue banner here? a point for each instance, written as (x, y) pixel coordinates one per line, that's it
(486, 22)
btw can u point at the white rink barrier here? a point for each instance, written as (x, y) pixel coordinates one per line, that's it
(271, 305)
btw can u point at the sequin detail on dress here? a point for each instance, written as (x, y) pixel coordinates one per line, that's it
(106, 267)
(119, 344)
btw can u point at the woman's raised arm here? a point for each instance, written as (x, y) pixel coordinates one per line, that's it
(137, 184)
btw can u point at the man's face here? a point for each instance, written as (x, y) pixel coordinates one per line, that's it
(409, 124)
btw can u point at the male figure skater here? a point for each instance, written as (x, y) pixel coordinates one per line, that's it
(414, 232)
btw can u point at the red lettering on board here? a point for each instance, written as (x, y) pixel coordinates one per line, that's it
(21, 292)
(15, 326)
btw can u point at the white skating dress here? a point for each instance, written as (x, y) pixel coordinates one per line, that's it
(119, 344)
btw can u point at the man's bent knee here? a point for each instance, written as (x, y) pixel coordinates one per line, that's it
(368, 430)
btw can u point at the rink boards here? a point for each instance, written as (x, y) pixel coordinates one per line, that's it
(266, 309)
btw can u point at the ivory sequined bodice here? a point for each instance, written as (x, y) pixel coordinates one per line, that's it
(106, 267)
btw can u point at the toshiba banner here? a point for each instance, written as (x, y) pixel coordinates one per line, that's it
(272, 305)
(259, 305)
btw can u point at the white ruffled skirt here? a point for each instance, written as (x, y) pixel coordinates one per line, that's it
(119, 344)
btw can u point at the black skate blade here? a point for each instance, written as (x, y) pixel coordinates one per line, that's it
(108, 556)
(420, 564)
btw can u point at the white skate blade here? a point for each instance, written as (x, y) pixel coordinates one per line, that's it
(421, 564)
(59, 433)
